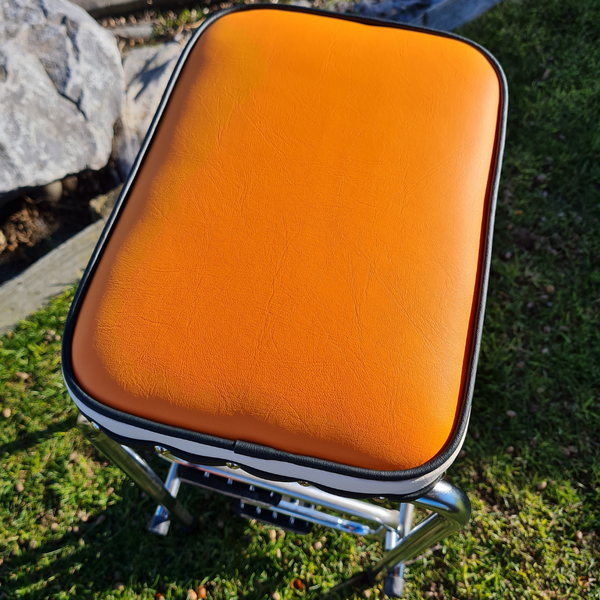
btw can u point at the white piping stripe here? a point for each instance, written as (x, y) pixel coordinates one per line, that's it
(343, 483)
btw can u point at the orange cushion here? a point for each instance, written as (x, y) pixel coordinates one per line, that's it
(299, 258)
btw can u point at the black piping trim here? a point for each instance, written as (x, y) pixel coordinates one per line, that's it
(216, 462)
(264, 452)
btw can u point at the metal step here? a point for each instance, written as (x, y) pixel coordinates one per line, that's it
(229, 487)
(272, 517)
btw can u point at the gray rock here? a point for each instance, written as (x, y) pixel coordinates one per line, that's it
(61, 91)
(141, 31)
(147, 72)
(100, 8)
(445, 15)
(403, 11)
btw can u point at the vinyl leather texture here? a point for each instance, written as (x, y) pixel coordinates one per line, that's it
(298, 261)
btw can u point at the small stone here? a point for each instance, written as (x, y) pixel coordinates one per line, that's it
(461, 454)
(530, 304)
(191, 595)
(100, 519)
(576, 550)
(510, 450)
(542, 485)
(566, 451)
(54, 527)
(511, 414)
(520, 365)
(564, 328)
(110, 491)
(22, 375)
(545, 350)
(550, 289)
(70, 183)
(546, 74)
(507, 255)
(280, 534)
(578, 536)
(278, 554)
(272, 535)
(6, 413)
(119, 586)
(75, 529)
(317, 546)
(33, 544)
(19, 488)
(547, 329)
(276, 596)
(53, 191)
(366, 593)
(541, 178)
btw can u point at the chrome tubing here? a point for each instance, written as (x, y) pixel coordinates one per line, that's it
(160, 522)
(306, 493)
(291, 509)
(136, 467)
(394, 580)
(452, 511)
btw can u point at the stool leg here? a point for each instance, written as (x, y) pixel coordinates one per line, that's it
(393, 585)
(137, 468)
(452, 511)
(160, 522)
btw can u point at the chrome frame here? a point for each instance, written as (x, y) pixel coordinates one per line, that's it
(450, 508)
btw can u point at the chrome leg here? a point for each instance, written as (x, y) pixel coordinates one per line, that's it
(452, 511)
(137, 468)
(160, 522)
(393, 585)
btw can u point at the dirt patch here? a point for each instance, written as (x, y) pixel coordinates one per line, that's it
(33, 225)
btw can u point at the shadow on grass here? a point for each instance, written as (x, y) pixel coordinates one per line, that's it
(113, 548)
(24, 442)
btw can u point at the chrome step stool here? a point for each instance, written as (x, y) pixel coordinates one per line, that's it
(293, 280)
(283, 505)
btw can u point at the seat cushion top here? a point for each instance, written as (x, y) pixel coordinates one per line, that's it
(298, 260)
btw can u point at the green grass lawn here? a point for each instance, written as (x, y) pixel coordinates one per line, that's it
(72, 526)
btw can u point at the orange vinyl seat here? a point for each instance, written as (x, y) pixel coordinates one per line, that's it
(294, 276)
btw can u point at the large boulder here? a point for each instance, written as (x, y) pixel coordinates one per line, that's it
(61, 91)
(147, 73)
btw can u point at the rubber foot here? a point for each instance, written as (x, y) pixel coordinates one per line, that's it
(393, 586)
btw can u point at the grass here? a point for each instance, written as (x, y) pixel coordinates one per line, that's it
(72, 526)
